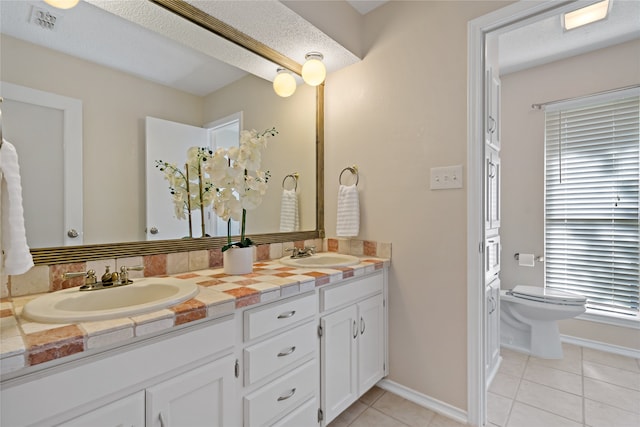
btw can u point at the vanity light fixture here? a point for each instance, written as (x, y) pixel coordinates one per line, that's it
(284, 84)
(313, 70)
(586, 15)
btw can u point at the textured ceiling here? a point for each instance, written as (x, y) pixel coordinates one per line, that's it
(542, 39)
(143, 39)
(126, 35)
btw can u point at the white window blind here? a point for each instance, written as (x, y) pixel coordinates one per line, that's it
(591, 201)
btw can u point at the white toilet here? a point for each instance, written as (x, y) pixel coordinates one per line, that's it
(529, 319)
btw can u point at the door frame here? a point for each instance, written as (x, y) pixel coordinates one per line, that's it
(477, 30)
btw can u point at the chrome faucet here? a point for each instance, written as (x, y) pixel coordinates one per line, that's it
(307, 251)
(108, 280)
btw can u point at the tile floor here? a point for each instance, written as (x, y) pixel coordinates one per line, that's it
(379, 408)
(588, 388)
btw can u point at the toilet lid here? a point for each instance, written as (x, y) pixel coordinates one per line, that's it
(553, 296)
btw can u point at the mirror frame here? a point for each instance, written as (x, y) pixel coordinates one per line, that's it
(70, 254)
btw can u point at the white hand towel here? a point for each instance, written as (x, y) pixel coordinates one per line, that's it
(17, 258)
(289, 217)
(348, 223)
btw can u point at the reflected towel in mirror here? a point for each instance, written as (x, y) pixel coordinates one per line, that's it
(348, 223)
(17, 257)
(289, 216)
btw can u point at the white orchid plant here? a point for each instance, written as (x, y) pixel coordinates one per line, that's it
(239, 182)
(189, 189)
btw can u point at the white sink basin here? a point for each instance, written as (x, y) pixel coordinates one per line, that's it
(322, 259)
(72, 305)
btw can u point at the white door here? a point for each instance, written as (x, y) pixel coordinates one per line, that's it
(370, 342)
(169, 141)
(339, 358)
(204, 396)
(50, 159)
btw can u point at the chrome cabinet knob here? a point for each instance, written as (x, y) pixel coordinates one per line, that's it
(72, 233)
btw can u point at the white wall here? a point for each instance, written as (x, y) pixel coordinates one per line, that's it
(522, 155)
(399, 112)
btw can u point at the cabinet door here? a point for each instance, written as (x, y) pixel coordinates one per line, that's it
(203, 396)
(370, 342)
(492, 189)
(492, 354)
(492, 125)
(126, 412)
(338, 355)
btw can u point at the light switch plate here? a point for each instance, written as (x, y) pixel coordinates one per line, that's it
(446, 177)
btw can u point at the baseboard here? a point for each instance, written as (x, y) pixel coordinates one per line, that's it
(598, 345)
(424, 400)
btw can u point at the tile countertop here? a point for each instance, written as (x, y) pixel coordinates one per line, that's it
(24, 343)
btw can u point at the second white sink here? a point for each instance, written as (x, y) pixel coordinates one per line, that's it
(322, 259)
(72, 305)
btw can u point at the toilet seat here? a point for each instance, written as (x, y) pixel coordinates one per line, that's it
(549, 296)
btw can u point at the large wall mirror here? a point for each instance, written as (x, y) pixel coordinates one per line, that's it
(110, 163)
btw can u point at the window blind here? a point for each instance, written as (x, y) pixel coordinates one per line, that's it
(591, 202)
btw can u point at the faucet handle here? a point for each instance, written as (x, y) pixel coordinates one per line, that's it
(294, 251)
(90, 276)
(124, 272)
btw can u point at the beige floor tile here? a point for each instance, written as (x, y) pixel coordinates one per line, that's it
(505, 385)
(513, 363)
(374, 418)
(401, 409)
(617, 376)
(599, 414)
(349, 415)
(571, 362)
(611, 359)
(527, 416)
(372, 395)
(498, 408)
(549, 399)
(616, 396)
(442, 421)
(555, 378)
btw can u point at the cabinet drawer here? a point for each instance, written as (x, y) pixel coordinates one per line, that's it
(275, 353)
(305, 415)
(271, 317)
(345, 294)
(281, 396)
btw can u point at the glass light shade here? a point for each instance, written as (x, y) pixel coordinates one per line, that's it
(284, 84)
(62, 4)
(586, 15)
(314, 71)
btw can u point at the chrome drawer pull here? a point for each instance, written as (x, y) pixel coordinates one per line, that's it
(288, 352)
(287, 315)
(355, 329)
(291, 393)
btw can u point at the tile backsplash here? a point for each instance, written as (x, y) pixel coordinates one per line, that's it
(48, 278)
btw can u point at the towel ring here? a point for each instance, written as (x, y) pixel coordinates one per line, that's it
(294, 176)
(354, 171)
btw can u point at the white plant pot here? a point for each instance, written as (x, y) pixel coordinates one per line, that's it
(238, 260)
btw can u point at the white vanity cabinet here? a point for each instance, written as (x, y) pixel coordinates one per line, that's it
(200, 395)
(352, 343)
(280, 363)
(185, 377)
(128, 411)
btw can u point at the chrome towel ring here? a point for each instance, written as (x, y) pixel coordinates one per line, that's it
(354, 171)
(294, 176)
